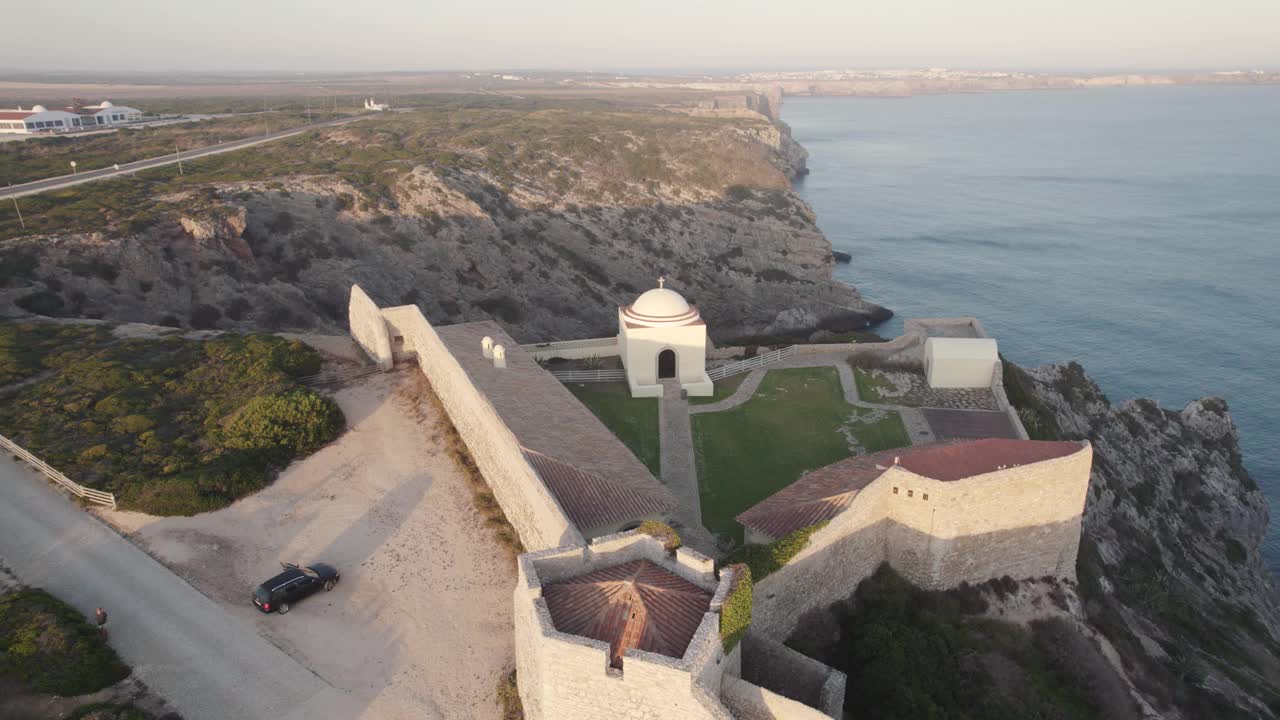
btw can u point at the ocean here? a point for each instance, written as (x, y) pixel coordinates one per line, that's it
(1136, 230)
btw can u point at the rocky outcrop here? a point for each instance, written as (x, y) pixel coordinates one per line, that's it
(1170, 565)
(549, 246)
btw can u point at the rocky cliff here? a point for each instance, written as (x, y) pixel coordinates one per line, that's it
(543, 219)
(1170, 565)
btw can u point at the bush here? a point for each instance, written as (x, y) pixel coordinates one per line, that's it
(108, 711)
(508, 695)
(295, 423)
(765, 559)
(735, 615)
(50, 647)
(664, 532)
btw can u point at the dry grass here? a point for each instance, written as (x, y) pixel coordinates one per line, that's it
(481, 496)
(508, 695)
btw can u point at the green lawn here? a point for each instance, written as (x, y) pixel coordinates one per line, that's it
(790, 425)
(633, 420)
(723, 389)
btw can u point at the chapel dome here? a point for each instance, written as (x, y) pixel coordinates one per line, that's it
(659, 307)
(106, 104)
(660, 303)
(39, 108)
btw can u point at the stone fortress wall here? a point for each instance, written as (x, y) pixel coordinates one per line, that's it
(1021, 521)
(534, 512)
(567, 677)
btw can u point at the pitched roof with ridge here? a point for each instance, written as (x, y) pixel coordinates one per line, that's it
(592, 501)
(637, 604)
(824, 493)
(591, 473)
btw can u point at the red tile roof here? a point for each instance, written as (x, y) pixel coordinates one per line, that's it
(824, 493)
(638, 604)
(592, 501)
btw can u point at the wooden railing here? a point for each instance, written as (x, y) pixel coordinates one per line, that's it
(94, 496)
(741, 366)
(590, 375)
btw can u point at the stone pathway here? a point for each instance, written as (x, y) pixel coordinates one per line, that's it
(680, 469)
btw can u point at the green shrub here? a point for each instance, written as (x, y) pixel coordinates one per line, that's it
(664, 532)
(765, 559)
(295, 423)
(49, 646)
(108, 711)
(735, 614)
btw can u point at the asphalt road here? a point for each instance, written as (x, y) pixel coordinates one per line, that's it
(206, 663)
(62, 181)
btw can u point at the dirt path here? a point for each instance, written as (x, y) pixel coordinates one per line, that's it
(420, 626)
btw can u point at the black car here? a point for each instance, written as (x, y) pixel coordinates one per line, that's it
(295, 583)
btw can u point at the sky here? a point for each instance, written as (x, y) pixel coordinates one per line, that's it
(639, 35)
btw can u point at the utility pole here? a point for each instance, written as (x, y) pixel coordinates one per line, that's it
(21, 222)
(266, 123)
(178, 153)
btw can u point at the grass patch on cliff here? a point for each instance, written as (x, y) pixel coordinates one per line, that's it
(49, 647)
(633, 420)
(911, 653)
(173, 426)
(795, 422)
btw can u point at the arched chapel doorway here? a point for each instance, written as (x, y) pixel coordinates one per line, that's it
(667, 364)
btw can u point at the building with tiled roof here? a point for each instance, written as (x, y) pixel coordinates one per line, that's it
(820, 495)
(620, 628)
(940, 514)
(559, 474)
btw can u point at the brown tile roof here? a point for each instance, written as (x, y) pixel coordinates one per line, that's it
(546, 418)
(824, 493)
(638, 604)
(592, 501)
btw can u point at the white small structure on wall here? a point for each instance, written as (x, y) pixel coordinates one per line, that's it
(960, 362)
(661, 336)
(369, 104)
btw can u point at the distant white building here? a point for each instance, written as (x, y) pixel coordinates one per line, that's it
(38, 119)
(105, 113)
(41, 119)
(960, 362)
(369, 104)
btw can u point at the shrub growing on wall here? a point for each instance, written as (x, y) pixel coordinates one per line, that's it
(662, 531)
(735, 615)
(765, 559)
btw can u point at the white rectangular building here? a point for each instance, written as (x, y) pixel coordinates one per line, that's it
(960, 362)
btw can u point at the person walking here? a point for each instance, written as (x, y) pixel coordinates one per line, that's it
(100, 617)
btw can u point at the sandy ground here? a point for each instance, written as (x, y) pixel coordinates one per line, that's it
(420, 625)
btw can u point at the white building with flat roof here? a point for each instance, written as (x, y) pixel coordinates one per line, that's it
(38, 119)
(106, 113)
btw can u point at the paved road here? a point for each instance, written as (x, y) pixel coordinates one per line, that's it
(206, 663)
(62, 181)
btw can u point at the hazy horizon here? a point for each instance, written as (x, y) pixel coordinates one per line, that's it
(326, 36)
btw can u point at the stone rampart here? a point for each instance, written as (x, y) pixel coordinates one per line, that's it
(752, 702)
(1021, 521)
(533, 511)
(567, 677)
(368, 328)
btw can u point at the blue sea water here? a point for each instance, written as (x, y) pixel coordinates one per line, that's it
(1136, 230)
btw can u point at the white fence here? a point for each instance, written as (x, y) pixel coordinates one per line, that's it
(95, 496)
(741, 366)
(571, 376)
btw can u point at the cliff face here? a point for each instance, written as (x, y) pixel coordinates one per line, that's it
(545, 223)
(1170, 567)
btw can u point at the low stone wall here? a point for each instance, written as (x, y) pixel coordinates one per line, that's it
(781, 670)
(533, 511)
(752, 702)
(1021, 521)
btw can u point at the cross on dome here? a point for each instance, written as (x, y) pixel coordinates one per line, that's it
(661, 281)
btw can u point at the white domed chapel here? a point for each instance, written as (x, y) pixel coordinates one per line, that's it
(662, 336)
